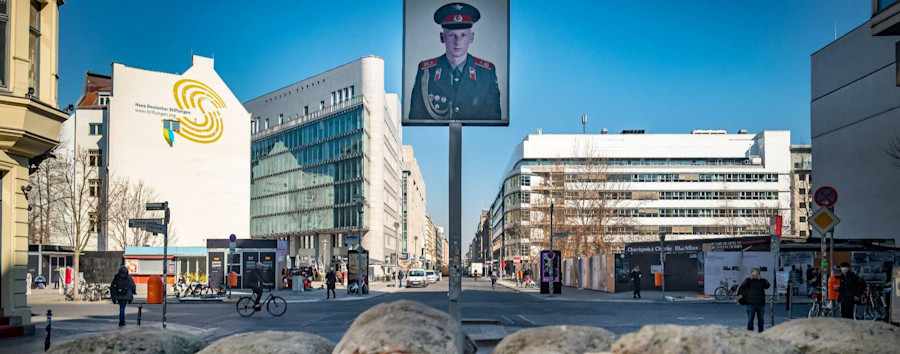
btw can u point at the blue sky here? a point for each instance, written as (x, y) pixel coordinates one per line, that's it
(662, 66)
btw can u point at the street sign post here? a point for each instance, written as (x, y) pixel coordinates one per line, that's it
(142, 223)
(155, 228)
(826, 196)
(824, 220)
(351, 240)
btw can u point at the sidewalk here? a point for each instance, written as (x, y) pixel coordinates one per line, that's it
(574, 294)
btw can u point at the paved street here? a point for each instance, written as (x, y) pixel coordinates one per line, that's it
(309, 312)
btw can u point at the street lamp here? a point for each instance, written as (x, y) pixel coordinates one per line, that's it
(662, 261)
(361, 200)
(584, 124)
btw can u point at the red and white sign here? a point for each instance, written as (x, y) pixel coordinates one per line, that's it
(516, 260)
(826, 197)
(775, 225)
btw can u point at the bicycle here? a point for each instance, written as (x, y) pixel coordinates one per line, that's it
(830, 308)
(275, 305)
(876, 308)
(724, 291)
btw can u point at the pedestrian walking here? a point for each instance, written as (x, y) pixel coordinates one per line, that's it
(400, 279)
(330, 279)
(54, 277)
(754, 290)
(122, 291)
(850, 291)
(636, 281)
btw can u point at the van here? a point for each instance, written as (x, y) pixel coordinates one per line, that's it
(416, 277)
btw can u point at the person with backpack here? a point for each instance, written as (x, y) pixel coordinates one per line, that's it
(122, 290)
(753, 295)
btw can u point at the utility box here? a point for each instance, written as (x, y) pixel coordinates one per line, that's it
(154, 289)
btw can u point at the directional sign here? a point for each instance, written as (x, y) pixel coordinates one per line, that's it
(351, 239)
(155, 228)
(826, 196)
(824, 220)
(157, 206)
(141, 223)
(560, 234)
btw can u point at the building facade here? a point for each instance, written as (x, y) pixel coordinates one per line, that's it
(205, 130)
(415, 222)
(801, 191)
(607, 189)
(30, 121)
(855, 125)
(317, 146)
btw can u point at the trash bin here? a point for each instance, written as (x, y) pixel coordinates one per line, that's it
(297, 283)
(232, 279)
(658, 278)
(155, 290)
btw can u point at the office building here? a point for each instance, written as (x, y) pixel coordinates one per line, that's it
(855, 125)
(30, 121)
(161, 137)
(802, 205)
(318, 145)
(608, 189)
(414, 220)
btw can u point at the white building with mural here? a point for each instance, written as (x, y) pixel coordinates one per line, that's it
(186, 137)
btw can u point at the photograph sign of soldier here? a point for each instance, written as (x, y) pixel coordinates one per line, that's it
(456, 62)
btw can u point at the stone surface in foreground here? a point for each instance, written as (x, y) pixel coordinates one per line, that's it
(404, 327)
(557, 339)
(837, 335)
(698, 339)
(134, 340)
(271, 342)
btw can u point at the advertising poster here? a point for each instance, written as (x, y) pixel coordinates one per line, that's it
(550, 263)
(456, 62)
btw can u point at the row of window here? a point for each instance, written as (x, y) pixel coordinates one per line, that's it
(696, 177)
(342, 95)
(305, 221)
(718, 195)
(34, 45)
(308, 134)
(306, 199)
(526, 215)
(636, 162)
(314, 176)
(341, 148)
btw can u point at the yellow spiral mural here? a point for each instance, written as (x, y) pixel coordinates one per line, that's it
(190, 95)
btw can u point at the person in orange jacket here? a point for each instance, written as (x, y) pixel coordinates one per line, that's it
(833, 283)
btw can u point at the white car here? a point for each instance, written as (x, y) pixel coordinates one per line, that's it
(416, 277)
(431, 276)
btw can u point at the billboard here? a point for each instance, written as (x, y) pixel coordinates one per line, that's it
(456, 62)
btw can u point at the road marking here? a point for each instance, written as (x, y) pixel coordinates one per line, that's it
(505, 318)
(526, 320)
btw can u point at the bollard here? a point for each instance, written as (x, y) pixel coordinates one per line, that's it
(140, 308)
(790, 297)
(47, 340)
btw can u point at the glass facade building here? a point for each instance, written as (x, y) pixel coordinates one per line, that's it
(304, 177)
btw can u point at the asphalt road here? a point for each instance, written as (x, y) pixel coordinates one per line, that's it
(331, 319)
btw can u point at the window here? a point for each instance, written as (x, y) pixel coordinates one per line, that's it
(95, 158)
(96, 128)
(4, 27)
(94, 187)
(321, 105)
(802, 233)
(280, 119)
(94, 219)
(802, 191)
(802, 205)
(305, 111)
(34, 40)
(802, 219)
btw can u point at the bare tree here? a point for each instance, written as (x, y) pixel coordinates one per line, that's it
(127, 199)
(79, 219)
(47, 190)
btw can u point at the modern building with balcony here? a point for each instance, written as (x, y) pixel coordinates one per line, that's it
(318, 145)
(855, 125)
(610, 189)
(801, 192)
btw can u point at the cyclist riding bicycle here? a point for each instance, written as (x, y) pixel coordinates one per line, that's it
(257, 281)
(493, 278)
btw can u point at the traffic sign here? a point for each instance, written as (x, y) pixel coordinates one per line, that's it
(351, 239)
(516, 260)
(826, 196)
(142, 223)
(157, 206)
(232, 238)
(560, 234)
(155, 228)
(824, 220)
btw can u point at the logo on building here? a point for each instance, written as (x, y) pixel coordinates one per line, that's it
(194, 96)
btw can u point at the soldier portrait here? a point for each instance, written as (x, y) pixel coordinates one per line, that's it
(458, 84)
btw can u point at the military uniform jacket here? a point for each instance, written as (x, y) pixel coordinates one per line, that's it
(475, 97)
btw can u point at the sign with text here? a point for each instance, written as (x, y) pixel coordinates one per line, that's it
(456, 62)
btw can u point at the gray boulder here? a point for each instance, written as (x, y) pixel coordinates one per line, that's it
(404, 327)
(837, 335)
(698, 339)
(271, 342)
(134, 340)
(557, 339)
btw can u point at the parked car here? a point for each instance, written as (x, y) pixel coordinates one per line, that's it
(431, 276)
(416, 277)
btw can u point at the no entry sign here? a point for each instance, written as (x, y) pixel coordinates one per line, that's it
(826, 196)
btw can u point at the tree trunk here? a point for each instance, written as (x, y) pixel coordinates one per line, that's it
(75, 275)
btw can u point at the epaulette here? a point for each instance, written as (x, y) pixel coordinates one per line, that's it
(428, 63)
(483, 63)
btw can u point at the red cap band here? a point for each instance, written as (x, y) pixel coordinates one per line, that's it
(457, 18)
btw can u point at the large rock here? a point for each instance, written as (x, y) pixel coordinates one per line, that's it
(404, 327)
(271, 342)
(837, 335)
(134, 340)
(698, 339)
(557, 339)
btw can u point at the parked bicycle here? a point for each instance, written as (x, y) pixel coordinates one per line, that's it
(275, 305)
(724, 291)
(875, 305)
(823, 308)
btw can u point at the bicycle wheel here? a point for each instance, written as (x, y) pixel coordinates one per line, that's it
(721, 293)
(276, 306)
(813, 310)
(245, 307)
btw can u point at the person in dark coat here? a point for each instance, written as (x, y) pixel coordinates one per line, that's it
(636, 281)
(755, 287)
(330, 279)
(122, 290)
(850, 291)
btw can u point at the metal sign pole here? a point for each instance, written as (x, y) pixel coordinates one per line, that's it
(165, 261)
(775, 248)
(455, 226)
